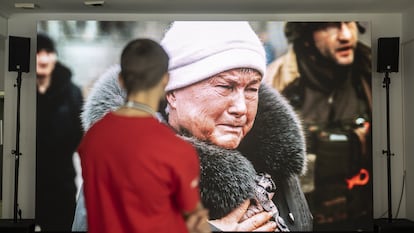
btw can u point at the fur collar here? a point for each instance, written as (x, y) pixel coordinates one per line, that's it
(276, 143)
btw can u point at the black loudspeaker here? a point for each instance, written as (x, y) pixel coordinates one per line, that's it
(19, 54)
(388, 52)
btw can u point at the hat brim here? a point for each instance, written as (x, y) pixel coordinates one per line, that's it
(213, 64)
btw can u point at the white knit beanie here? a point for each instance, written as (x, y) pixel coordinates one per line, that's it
(201, 49)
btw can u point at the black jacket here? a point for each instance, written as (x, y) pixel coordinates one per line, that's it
(58, 132)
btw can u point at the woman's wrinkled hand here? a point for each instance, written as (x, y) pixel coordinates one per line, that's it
(232, 222)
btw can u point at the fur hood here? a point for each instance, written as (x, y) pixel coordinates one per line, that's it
(275, 145)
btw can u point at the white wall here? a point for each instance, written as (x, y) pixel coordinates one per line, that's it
(3, 35)
(3, 26)
(27, 128)
(407, 50)
(383, 25)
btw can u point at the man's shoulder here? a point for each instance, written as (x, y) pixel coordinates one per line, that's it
(280, 61)
(282, 71)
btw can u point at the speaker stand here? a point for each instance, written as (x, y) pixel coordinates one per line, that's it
(389, 224)
(386, 85)
(16, 152)
(17, 225)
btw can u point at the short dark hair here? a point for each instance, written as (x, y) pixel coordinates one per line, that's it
(143, 64)
(295, 31)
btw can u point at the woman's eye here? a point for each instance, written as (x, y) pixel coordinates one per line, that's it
(225, 87)
(253, 89)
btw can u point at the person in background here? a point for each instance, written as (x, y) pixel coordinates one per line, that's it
(59, 131)
(326, 76)
(250, 142)
(138, 175)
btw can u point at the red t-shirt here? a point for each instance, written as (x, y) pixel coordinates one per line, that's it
(138, 176)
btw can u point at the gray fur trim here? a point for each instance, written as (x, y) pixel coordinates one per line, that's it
(226, 172)
(105, 95)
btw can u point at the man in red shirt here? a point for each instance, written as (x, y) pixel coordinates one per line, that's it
(138, 175)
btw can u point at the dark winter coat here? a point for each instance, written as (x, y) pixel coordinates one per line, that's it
(59, 132)
(275, 145)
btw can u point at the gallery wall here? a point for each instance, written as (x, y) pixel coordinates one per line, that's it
(383, 25)
(407, 50)
(3, 26)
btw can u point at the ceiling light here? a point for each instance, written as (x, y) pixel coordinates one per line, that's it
(25, 5)
(94, 3)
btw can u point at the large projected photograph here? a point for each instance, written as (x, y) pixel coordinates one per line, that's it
(279, 113)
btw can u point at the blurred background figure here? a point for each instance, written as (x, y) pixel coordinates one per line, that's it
(326, 76)
(59, 132)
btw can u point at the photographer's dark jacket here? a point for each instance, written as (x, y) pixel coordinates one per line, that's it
(275, 145)
(331, 100)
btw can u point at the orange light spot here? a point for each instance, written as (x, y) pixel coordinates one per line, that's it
(361, 178)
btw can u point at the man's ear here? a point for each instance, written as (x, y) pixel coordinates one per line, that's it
(165, 79)
(170, 96)
(121, 82)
